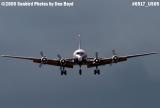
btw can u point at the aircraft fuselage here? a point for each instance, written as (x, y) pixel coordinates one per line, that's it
(80, 56)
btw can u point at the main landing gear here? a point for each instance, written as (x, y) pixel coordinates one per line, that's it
(63, 71)
(97, 71)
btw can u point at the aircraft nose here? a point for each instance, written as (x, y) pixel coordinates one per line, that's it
(79, 58)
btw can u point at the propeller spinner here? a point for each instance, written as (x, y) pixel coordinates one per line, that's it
(43, 59)
(114, 57)
(62, 60)
(96, 60)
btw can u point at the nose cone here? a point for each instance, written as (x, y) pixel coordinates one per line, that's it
(80, 58)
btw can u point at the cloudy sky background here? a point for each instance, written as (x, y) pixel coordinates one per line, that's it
(103, 25)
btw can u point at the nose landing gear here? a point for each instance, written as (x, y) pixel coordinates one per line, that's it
(80, 70)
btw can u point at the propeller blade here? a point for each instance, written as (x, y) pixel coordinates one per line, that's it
(40, 65)
(114, 52)
(96, 55)
(59, 56)
(41, 53)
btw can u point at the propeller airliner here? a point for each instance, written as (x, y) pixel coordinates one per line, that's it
(80, 58)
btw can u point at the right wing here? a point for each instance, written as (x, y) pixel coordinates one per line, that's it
(104, 61)
(55, 62)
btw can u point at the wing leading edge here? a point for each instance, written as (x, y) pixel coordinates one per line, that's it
(55, 62)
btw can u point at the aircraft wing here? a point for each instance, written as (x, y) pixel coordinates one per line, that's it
(138, 55)
(104, 61)
(55, 62)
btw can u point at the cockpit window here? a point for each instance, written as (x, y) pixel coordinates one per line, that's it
(80, 53)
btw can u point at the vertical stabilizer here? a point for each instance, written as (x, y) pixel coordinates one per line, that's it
(79, 39)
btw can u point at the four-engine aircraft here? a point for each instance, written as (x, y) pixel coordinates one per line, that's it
(79, 58)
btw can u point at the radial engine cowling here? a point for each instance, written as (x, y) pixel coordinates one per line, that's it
(115, 59)
(63, 62)
(96, 61)
(44, 60)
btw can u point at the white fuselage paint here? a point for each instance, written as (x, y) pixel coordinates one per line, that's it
(80, 55)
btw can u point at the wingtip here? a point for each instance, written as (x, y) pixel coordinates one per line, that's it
(4, 55)
(154, 53)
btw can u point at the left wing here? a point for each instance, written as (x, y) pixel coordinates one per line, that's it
(114, 59)
(56, 62)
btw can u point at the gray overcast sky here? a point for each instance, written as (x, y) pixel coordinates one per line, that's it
(104, 25)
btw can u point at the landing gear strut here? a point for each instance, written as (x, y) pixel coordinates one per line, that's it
(80, 71)
(97, 71)
(63, 71)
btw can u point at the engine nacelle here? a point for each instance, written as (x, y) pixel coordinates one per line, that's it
(96, 61)
(62, 61)
(44, 60)
(115, 59)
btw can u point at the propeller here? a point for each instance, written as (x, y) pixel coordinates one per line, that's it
(62, 60)
(43, 59)
(96, 60)
(114, 57)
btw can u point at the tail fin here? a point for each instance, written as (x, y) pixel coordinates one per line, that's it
(79, 37)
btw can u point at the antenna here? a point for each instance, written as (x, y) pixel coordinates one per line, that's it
(79, 37)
